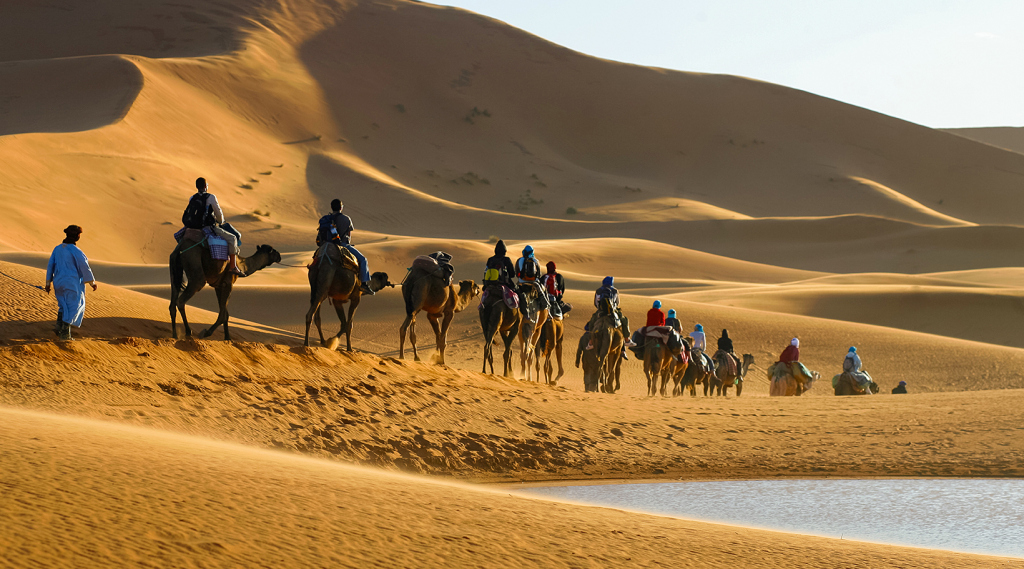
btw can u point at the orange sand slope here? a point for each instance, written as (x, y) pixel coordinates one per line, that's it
(419, 417)
(85, 494)
(463, 127)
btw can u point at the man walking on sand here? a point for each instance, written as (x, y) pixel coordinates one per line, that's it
(68, 272)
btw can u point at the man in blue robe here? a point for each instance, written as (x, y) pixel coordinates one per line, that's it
(68, 272)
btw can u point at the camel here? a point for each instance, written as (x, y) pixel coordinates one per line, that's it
(786, 383)
(658, 363)
(846, 384)
(550, 343)
(608, 342)
(497, 318)
(529, 332)
(335, 275)
(424, 291)
(724, 378)
(693, 373)
(193, 261)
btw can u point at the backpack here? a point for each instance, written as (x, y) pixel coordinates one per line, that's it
(326, 230)
(530, 270)
(197, 214)
(495, 270)
(551, 284)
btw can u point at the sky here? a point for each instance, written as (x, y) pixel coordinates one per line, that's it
(939, 63)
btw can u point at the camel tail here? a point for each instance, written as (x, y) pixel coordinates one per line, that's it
(408, 299)
(177, 271)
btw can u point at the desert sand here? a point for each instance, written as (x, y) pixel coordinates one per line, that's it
(743, 205)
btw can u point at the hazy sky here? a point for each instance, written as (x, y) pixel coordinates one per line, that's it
(940, 63)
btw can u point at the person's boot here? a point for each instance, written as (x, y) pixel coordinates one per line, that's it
(59, 326)
(65, 332)
(365, 289)
(233, 266)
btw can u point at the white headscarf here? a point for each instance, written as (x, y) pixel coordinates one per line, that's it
(795, 342)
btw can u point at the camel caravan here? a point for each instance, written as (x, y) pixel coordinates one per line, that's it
(517, 301)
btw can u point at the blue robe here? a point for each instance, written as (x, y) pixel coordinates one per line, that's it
(69, 270)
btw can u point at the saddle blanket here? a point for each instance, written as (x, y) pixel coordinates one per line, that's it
(218, 247)
(511, 298)
(663, 333)
(190, 234)
(730, 363)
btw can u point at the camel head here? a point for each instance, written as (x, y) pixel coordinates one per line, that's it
(269, 254)
(469, 290)
(378, 281)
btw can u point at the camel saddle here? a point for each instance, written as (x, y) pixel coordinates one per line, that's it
(336, 254)
(436, 265)
(730, 362)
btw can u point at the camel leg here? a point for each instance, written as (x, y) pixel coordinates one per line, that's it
(442, 338)
(223, 293)
(351, 320)
(513, 331)
(339, 309)
(401, 335)
(490, 324)
(558, 355)
(412, 339)
(314, 313)
(437, 335)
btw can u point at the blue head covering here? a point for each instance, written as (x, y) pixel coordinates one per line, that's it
(657, 304)
(853, 350)
(528, 251)
(608, 281)
(698, 328)
(672, 313)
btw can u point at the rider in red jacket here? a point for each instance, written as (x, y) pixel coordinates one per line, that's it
(655, 317)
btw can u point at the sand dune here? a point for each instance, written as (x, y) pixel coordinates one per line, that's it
(743, 205)
(1008, 138)
(136, 497)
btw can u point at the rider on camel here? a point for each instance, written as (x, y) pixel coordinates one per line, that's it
(607, 291)
(336, 227)
(725, 345)
(655, 317)
(554, 285)
(852, 365)
(203, 210)
(498, 273)
(528, 273)
(791, 353)
(674, 322)
(700, 346)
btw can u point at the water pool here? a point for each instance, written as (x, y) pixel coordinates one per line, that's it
(967, 515)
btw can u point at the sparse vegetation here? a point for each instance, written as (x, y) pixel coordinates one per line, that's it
(245, 186)
(526, 200)
(400, 107)
(476, 113)
(537, 181)
(634, 190)
(571, 211)
(470, 178)
(492, 239)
